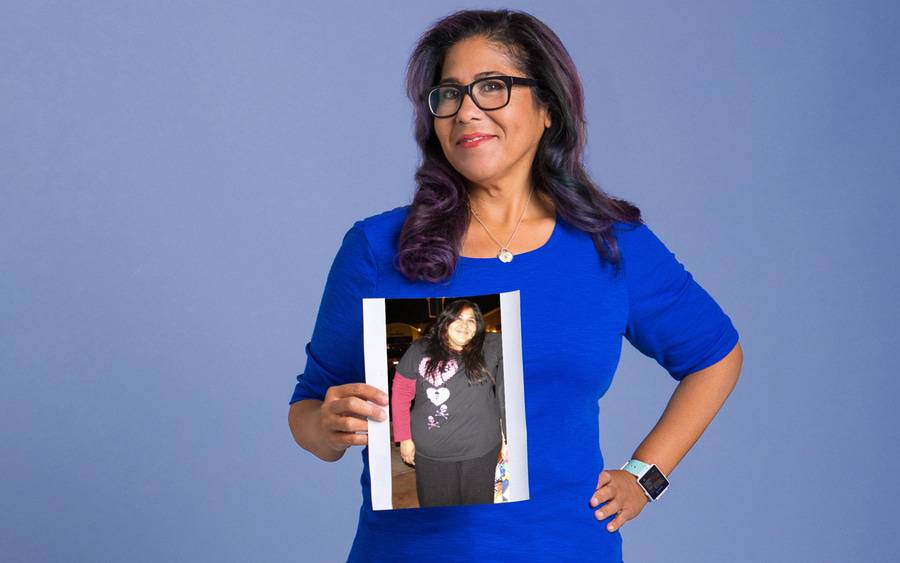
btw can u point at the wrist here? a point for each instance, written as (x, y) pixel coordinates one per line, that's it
(649, 477)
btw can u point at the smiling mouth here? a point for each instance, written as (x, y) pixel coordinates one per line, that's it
(474, 141)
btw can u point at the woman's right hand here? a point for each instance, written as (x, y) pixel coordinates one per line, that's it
(408, 451)
(346, 410)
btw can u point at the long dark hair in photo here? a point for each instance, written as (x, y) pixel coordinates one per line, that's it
(472, 353)
(432, 234)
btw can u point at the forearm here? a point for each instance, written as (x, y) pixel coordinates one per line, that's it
(403, 391)
(693, 405)
(303, 419)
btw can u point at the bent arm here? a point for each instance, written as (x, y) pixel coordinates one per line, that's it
(693, 405)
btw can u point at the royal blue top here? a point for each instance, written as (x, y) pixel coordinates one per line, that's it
(575, 310)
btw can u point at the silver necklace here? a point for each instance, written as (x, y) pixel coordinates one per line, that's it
(504, 255)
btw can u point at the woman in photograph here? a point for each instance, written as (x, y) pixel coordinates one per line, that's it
(453, 434)
(503, 202)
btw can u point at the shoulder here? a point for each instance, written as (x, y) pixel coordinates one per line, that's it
(492, 339)
(365, 248)
(408, 366)
(417, 348)
(386, 220)
(638, 243)
(629, 234)
(382, 230)
(493, 345)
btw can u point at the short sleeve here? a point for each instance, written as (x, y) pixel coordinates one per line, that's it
(408, 366)
(334, 354)
(671, 318)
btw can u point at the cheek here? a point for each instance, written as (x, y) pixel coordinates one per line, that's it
(521, 129)
(443, 135)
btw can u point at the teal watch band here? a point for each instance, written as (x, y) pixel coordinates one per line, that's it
(636, 467)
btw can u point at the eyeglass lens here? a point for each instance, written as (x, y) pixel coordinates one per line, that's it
(488, 94)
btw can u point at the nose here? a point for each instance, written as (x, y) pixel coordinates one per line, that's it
(467, 109)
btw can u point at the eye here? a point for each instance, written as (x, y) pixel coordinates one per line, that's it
(491, 86)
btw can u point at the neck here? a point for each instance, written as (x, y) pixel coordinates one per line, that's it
(504, 206)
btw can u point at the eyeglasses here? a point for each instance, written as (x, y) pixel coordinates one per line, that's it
(488, 93)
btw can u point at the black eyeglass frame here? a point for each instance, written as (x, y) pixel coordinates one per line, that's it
(463, 90)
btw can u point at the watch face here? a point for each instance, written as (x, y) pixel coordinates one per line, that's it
(654, 482)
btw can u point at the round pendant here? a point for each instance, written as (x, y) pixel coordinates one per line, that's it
(505, 256)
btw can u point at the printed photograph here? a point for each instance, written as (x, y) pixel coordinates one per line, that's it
(448, 370)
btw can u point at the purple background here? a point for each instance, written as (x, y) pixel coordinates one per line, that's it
(176, 180)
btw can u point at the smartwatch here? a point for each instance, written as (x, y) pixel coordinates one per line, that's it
(649, 477)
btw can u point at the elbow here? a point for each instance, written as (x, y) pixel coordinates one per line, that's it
(737, 360)
(730, 366)
(293, 422)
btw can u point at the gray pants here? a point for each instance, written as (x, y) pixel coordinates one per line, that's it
(447, 483)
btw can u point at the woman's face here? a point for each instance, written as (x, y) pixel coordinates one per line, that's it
(516, 128)
(462, 330)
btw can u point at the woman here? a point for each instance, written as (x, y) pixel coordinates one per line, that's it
(455, 435)
(503, 203)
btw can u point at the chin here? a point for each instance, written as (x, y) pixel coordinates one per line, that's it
(476, 173)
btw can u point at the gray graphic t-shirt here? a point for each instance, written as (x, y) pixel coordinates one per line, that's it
(452, 419)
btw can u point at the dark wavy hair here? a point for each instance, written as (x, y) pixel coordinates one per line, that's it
(472, 353)
(432, 234)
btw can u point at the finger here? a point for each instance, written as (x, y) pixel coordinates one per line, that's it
(617, 522)
(350, 424)
(346, 439)
(367, 392)
(603, 494)
(608, 509)
(354, 406)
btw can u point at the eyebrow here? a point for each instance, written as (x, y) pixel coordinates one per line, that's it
(479, 75)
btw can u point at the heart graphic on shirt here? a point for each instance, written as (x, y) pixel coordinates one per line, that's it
(437, 396)
(443, 372)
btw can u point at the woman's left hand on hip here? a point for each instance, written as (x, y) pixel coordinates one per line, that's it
(622, 494)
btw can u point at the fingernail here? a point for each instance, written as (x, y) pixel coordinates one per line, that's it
(610, 527)
(594, 501)
(600, 515)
